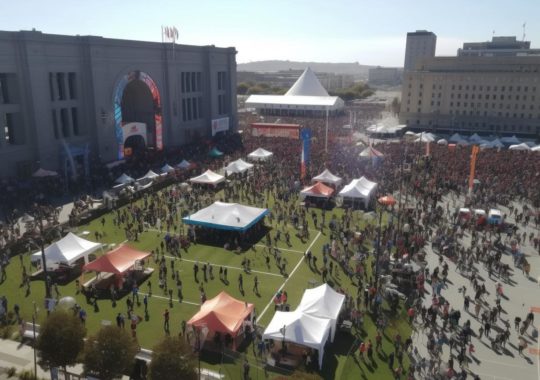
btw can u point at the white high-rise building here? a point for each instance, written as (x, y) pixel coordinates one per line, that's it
(420, 44)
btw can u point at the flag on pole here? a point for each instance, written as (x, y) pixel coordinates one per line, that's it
(474, 153)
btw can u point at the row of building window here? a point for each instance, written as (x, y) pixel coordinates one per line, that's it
(222, 80)
(192, 108)
(8, 89)
(66, 123)
(62, 86)
(491, 127)
(12, 128)
(191, 82)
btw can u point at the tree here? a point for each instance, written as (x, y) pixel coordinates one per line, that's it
(109, 353)
(60, 339)
(242, 88)
(172, 359)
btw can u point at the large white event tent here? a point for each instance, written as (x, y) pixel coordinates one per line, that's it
(299, 328)
(260, 154)
(208, 178)
(227, 216)
(238, 166)
(66, 251)
(521, 146)
(322, 302)
(124, 179)
(360, 188)
(327, 177)
(306, 95)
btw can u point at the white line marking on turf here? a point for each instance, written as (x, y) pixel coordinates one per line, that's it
(288, 278)
(225, 266)
(167, 298)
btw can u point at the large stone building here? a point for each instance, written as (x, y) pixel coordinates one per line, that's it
(420, 44)
(390, 76)
(473, 94)
(498, 46)
(63, 98)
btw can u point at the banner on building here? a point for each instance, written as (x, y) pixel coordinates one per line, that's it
(220, 125)
(134, 129)
(289, 131)
(306, 147)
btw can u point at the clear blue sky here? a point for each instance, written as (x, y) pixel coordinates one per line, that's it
(370, 32)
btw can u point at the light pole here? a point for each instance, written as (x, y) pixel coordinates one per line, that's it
(326, 133)
(386, 200)
(34, 332)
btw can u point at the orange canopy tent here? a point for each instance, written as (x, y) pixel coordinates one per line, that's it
(318, 190)
(117, 261)
(223, 314)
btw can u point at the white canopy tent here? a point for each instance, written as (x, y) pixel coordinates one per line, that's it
(260, 154)
(511, 140)
(521, 146)
(184, 165)
(361, 188)
(457, 138)
(149, 175)
(299, 328)
(167, 168)
(227, 216)
(238, 166)
(124, 179)
(322, 302)
(327, 177)
(67, 250)
(536, 148)
(426, 137)
(442, 142)
(42, 173)
(208, 178)
(371, 152)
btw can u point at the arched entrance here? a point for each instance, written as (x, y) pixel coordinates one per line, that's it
(137, 100)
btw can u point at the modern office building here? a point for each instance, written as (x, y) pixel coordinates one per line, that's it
(420, 44)
(498, 46)
(63, 98)
(390, 76)
(497, 94)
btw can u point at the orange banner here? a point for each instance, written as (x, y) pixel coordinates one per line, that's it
(474, 153)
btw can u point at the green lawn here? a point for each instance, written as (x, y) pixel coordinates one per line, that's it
(336, 365)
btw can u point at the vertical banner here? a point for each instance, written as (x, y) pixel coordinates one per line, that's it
(305, 135)
(428, 148)
(474, 153)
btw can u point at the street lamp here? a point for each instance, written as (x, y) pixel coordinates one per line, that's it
(326, 133)
(39, 215)
(34, 332)
(387, 200)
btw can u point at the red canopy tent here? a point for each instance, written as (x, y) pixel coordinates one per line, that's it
(117, 261)
(223, 314)
(318, 190)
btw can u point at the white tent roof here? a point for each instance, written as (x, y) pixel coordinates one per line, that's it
(184, 164)
(238, 166)
(307, 85)
(40, 173)
(322, 302)
(67, 250)
(475, 138)
(327, 177)
(124, 179)
(511, 140)
(260, 154)
(149, 175)
(359, 188)
(167, 168)
(521, 146)
(442, 142)
(209, 178)
(456, 138)
(426, 137)
(536, 148)
(299, 328)
(370, 152)
(227, 216)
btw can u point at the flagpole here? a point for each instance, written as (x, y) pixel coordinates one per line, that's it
(326, 133)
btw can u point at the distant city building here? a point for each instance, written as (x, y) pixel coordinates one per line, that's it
(286, 79)
(420, 44)
(473, 94)
(498, 46)
(385, 76)
(65, 98)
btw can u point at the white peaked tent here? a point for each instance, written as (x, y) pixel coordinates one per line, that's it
(299, 328)
(150, 175)
(238, 166)
(227, 216)
(260, 154)
(361, 188)
(442, 142)
(307, 85)
(208, 178)
(426, 137)
(322, 302)
(521, 146)
(124, 179)
(167, 168)
(536, 148)
(511, 140)
(184, 164)
(327, 177)
(475, 138)
(42, 173)
(67, 250)
(457, 138)
(371, 152)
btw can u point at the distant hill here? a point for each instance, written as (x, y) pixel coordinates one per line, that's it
(353, 68)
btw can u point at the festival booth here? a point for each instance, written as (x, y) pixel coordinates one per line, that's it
(184, 165)
(456, 138)
(361, 188)
(535, 148)
(43, 173)
(224, 316)
(322, 302)
(235, 223)
(442, 142)
(166, 169)
(318, 194)
(521, 146)
(370, 152)
(208, 178)
(215, 153)
(237, 167)
(510, 140)
(124, 179)
(464, 213)
(121, 268)
(495, 217)
(66, 256)
(260, 154)
(327, 177)
(426, 137)
(299, 329)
